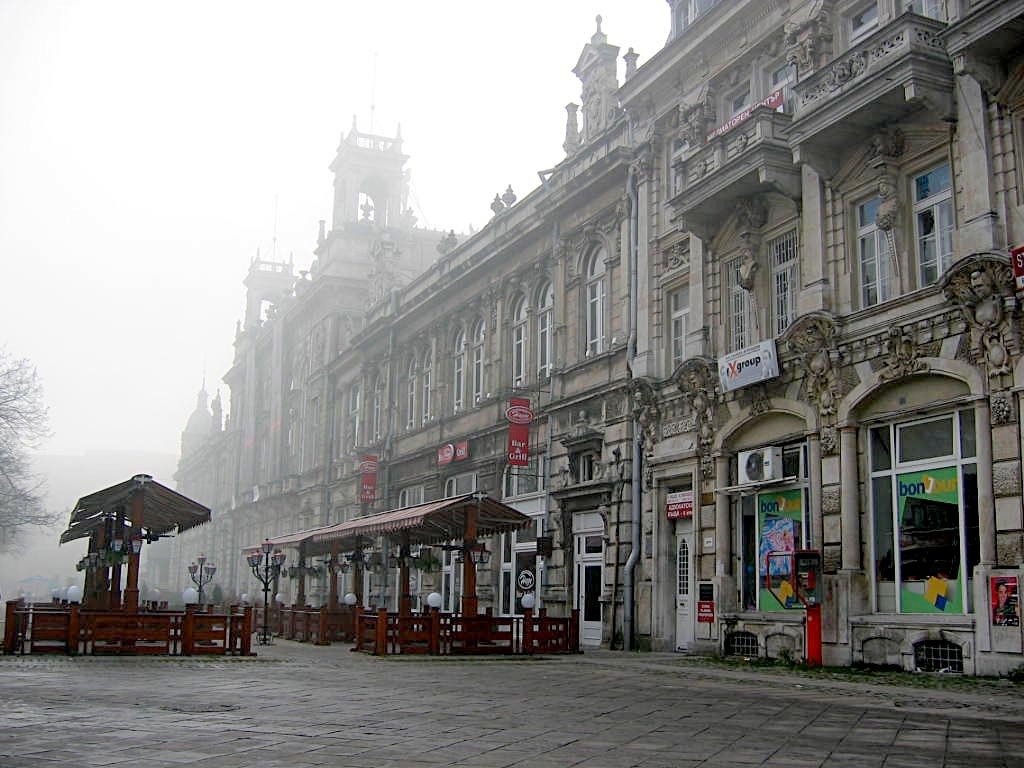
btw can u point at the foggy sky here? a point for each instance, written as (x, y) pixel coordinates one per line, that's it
(144, 147)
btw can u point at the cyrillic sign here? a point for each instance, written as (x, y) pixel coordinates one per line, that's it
(679, 505)
(772, 100)
(519, 417)
(748, 366)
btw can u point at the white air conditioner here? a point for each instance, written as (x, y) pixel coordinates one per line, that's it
(760, 464)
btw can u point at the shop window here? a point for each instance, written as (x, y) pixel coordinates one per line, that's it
(938, 656)
(924, 499)
(518, 554)
(782, 256)
(595, 303)
(742, 644)
(874, 255)
(933, 222)
(679, 315)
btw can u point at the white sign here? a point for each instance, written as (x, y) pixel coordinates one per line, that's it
(748, 366)
(525, 580)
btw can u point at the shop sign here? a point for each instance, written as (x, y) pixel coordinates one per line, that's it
(519, 417)
(772, 101)
(679, 505)
(748, 366)
(525, 580)
(705, 612)
(1017, 260)
(450, 452)
(368, 479)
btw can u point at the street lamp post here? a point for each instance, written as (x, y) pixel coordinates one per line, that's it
(266, 567)
(201, 574)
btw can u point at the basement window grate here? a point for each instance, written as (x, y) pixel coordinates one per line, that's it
(938, 656)
(741, 644)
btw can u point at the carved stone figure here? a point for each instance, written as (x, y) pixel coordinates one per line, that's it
(814, 337)
(646, 412)
(697, 379)
(696, 119)
(809, 42)
(901, 355)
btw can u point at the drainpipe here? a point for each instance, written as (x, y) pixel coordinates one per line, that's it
(628, 586)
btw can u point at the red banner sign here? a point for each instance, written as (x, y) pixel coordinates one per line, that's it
(679, 505)
(705, 612)
(1017, 260)
(450, 452)
(772, 101)
(519, 417)
(368, 482)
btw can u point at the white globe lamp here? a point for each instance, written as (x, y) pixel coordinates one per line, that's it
(528, 601)
(190, 596)
(434, 600)
(74, 593)
(351, 599)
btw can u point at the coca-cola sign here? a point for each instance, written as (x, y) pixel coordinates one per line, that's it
(445, 454)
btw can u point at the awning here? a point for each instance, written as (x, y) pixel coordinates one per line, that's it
(163, 510)
(431, 523)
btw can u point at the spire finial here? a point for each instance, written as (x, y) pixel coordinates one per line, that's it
(598, 19)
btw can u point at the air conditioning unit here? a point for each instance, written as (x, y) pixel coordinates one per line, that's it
(760, 465)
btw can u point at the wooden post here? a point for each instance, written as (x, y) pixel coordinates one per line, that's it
(321, 638)
(332, 589)
(115, 571)
(300, 594)
(71, 646)
(10, 628)
(574, 631)
(404, 598)
(528, 631)
(357, 624)
(435, 631)
(247, 631)
(187, 630)
(469, 601)
(131, 589)
(380, 644)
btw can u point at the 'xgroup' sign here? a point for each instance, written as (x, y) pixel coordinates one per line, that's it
(748, 366)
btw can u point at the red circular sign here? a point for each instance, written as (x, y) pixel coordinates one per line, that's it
(445, 453)
(519, 414)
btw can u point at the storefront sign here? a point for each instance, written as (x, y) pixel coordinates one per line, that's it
(705, 612)
(450, 452)
(772, 101)
(1005, 601)
(519, 417)
(368, 481)
(679, 505)
(1017, 260)
(525, 580)
(748, 366)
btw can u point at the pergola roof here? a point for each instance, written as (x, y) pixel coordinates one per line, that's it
(163, 510)
(431, 523)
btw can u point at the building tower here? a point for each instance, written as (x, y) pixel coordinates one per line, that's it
(369, 181)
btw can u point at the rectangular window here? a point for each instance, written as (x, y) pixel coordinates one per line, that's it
(874, 255)
(459, 381)
(595, 317)
(459, 485)
(863, 22)
(410, 496)
(679, 315)
(425, 398)
(933, 221)
(544, 344)
(739, 308)
(933, 9)
(739, 102)
(353, 416)
(519, 355)
(782, 78)
(782, 256)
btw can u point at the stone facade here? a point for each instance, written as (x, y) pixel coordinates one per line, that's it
(784, 235)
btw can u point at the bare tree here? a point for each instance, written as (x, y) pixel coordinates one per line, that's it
(23, 424)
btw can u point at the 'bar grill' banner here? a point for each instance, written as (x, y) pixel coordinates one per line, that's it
(368, 483)
(519, 417)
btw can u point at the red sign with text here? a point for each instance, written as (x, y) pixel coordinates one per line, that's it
(705, 612)
(368, 481)
(1017, 260)
(679, 505)
(450, 452)
(519, 417)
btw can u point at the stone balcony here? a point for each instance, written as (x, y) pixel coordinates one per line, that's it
(752, 157)
(900, 69)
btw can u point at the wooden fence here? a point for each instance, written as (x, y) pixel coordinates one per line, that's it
(445, 634)
(306, 624)
(50, 628)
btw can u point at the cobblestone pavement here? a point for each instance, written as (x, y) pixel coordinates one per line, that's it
(301, 706)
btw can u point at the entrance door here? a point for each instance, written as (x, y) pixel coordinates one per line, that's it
(684, 591)
(589, 585)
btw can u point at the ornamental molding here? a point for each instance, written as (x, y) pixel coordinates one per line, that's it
(697, 379)
(646, 412)
(808, 43)
(815, 338)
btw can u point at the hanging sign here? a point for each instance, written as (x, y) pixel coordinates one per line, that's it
(368, 481)
(679, 505)
(519, 417)
(773, 101)
(1017, 260)
(450, 452)
(748, 366)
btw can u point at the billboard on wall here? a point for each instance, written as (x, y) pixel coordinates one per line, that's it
(519, 417)
(450, 452)
(368, 479)
(747, 366)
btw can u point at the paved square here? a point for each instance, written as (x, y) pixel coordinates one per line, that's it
(299, 705)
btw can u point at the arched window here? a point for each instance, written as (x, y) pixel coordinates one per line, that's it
(595, 296)
(545, 304)
(425, 384)
(478, 361)
(519, 342)
(410, 395)
(459, 372)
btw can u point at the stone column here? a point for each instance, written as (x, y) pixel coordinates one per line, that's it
(850, 499)
(979, 228)
(814, 471)
(723, 539)
(986, 504)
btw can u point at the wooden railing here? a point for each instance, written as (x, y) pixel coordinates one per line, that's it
(34, 628)
(382, 633)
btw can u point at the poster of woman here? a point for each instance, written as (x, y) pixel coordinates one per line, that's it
(1005, 601)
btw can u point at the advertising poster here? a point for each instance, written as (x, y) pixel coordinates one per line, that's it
(1005, 601)
(779, 519)
(368, 479)
(928, 504)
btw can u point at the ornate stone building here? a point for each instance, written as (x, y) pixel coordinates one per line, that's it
(764, 305)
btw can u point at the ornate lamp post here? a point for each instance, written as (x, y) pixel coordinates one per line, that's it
(266, 567)
(201, 574)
